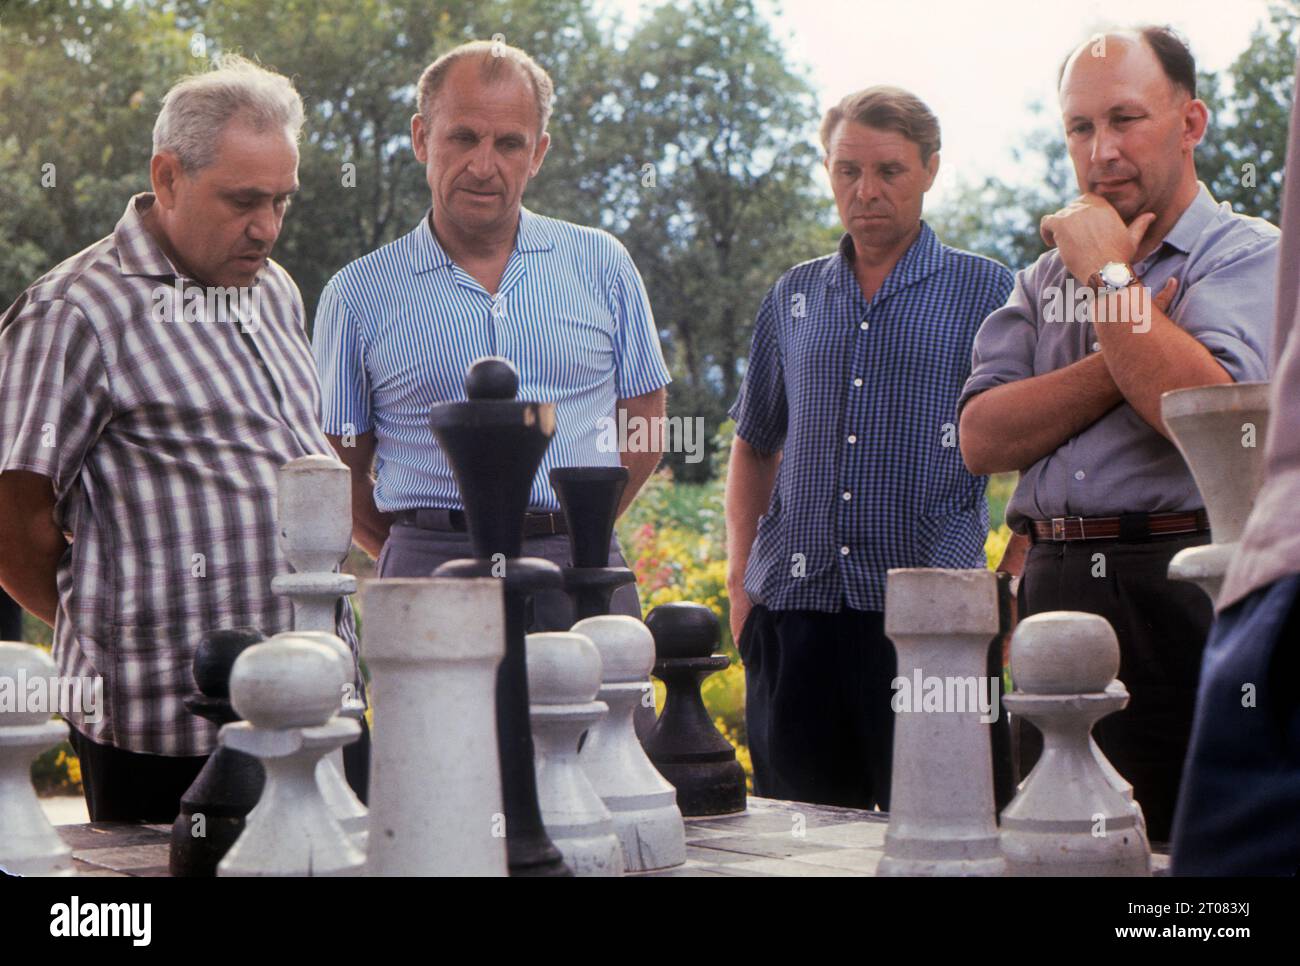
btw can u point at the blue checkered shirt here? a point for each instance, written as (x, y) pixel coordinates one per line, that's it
(861, 399)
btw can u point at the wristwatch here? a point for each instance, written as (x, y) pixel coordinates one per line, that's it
(1113, 277)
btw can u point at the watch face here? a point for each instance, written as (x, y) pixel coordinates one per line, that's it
(1116, 275)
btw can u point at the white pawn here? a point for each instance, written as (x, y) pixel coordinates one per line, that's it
(343, 802)
(287, 690)
(643, 804)
(1070, 816)
(314, 516)
(29, 845)
(563, 678)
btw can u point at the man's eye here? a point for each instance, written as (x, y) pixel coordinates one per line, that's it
(1080, 129)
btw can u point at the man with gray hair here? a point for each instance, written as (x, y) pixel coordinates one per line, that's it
(481, 275)
(151, 387)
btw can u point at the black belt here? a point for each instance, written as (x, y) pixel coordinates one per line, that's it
(453, 521)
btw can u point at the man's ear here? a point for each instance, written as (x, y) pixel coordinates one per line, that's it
(931, 170)
(543, 145)
(419, 137)
(164, 172)
(1196, 119)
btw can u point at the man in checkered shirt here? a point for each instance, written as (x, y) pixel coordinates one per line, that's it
(846, 462)
(151, 387)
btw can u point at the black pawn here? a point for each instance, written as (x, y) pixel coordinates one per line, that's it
(684, 744)
(589, 496)
(494, 444)
(213, 808)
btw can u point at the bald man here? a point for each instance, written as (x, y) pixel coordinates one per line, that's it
(1150, 286)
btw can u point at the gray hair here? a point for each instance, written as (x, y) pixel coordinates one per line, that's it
(197, 109)
(492, 56)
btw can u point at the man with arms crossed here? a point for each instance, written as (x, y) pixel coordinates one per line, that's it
(1068, 390)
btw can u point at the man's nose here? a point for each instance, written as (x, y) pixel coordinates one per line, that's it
(480, 161)
(264, 226)
(868, 189)
(1105, 145)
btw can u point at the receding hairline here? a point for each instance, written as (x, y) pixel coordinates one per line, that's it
(1131, 39)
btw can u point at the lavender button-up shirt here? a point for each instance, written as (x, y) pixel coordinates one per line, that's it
(1226, 266)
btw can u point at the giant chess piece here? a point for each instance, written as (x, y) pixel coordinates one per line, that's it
(941, 813)
(684, 744)
(589, 496)
(314, 514)
(214, 807)
(563, 678)
(330, 775)
(494, 444)
(643, 804)
(288, 691)
(433, 647)
(1220, 432)
(29, 845)
(1070, 818)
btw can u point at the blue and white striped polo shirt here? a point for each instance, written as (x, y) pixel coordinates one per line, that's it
(397, 329)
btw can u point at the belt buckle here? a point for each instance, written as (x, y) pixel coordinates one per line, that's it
(1058, 528)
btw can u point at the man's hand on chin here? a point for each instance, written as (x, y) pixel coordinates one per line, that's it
(1089, 233)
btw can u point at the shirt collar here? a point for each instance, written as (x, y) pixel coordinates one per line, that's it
(428, 255)
(1192, 221)
(137, 251)
(922, 259)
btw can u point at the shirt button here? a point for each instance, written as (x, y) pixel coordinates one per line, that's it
(864, 326)
(847, 495)
(844, 551)
(1096, 347)
(857, 382)
(1079, 474)
(852, 439)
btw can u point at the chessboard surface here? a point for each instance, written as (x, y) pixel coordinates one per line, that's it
(770, 838)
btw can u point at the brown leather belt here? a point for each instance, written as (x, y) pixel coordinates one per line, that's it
(453, 521)
(1129, 526)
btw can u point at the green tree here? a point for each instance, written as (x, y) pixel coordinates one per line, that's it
(715, 197)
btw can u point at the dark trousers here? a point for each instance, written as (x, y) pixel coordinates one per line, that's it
(127, 786)
(1239, 808)
(1161, 625)
(817, 705)
(414, 552)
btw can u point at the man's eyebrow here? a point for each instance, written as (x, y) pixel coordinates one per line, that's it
(251, 192)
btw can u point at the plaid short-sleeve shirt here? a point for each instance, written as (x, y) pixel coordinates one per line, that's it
(861, 399)
(163, 425)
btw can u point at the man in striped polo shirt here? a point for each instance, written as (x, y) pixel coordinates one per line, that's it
(151, 387)
(846, 463)
(480, 275)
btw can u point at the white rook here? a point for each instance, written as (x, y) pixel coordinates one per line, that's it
(643, 803)
(28, 843)
(1073, 814)
(287, 689)
(563, 678)
(941, 811)
(433, 646)
(1220, 432)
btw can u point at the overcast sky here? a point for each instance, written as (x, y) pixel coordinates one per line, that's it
(978, 65)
